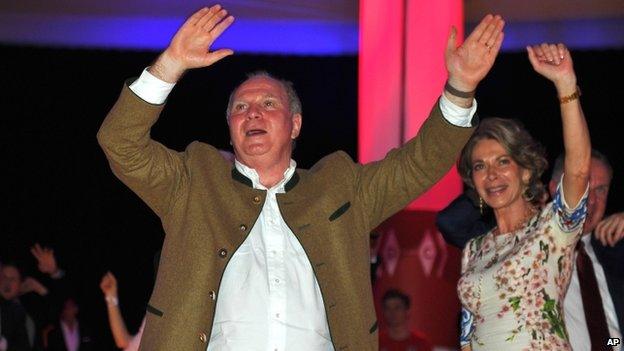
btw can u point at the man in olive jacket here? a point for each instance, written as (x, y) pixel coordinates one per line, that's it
(263, 255)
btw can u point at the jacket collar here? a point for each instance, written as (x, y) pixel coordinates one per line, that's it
(241, 178)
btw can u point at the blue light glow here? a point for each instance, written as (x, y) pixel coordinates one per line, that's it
(245, 36)
(576, 34)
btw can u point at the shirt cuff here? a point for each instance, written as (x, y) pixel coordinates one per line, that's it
(459, 116)
(151, 89)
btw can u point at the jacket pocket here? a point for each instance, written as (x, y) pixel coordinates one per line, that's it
(373, 328)
(340, 211)
(153, 310)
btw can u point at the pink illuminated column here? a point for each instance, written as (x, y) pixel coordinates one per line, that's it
(401, 74)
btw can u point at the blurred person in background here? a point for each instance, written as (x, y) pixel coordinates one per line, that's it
(397, 335)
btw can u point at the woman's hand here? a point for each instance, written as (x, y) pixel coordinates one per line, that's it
(553, 61)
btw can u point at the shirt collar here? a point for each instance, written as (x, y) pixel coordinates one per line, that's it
(255, 178)
(586, 239)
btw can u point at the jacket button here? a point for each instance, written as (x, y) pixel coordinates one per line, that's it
(256, 199)
(203, 338)
(243, 227)
(212, 295)
(223, 253)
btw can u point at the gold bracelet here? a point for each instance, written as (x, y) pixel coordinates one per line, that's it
(575, 95)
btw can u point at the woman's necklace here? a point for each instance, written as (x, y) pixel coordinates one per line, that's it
(500, 244)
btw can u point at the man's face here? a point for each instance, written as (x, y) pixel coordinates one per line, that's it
(70, 310)
(261, 125)
(10, 280)
(599, 182)
(395, 312)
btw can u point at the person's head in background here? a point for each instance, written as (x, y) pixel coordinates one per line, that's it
(69, 312)
(10, 281)
(395, 306)
(600, 177)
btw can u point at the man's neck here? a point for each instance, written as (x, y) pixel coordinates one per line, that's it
(398, 333)
(70, 323)
(269, 172)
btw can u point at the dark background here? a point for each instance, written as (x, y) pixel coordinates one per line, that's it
(60, 192)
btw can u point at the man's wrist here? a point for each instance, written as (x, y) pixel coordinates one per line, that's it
(166, 68)
(456, 113)
(458, 93)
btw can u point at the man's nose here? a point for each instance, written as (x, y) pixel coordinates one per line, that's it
(253, 112)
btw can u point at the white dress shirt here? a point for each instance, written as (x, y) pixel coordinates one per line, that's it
(71, 336)
(573, 305)
(269, 298)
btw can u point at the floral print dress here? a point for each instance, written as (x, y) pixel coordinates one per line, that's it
(512, 285)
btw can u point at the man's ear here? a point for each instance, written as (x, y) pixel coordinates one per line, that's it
(297, 120)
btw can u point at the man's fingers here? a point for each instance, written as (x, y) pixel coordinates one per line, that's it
(217, 55)
(495, 48)
(480, 28)
(599, 227)
(36, 249)
(212, 22)
(489, 34)
(619, 230)
(614, 230)
(201, 23)
(498, 30)
(601, 238)
(451, 42)
(221, 26)
(609, 225)
(191, 21)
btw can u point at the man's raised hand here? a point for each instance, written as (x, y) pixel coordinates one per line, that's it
(190, 47)
(469, 63)
(46, 262)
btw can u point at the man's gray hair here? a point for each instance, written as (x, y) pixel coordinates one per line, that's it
(294, 103)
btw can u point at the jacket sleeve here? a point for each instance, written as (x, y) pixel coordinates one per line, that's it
(384, 187)
(155, 173)
(461, 221)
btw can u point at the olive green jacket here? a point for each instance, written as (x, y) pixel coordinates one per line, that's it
(207, 209)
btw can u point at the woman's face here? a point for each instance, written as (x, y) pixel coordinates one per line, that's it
(498, 179)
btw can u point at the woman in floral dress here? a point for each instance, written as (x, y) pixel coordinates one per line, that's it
(514, 277)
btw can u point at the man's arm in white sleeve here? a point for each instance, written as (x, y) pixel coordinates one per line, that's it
(457, 115)
(151, 89)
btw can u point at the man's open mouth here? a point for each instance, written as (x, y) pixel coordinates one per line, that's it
(254, 132)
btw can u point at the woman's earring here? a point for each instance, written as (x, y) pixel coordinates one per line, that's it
(527, 194)
(481, 205)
